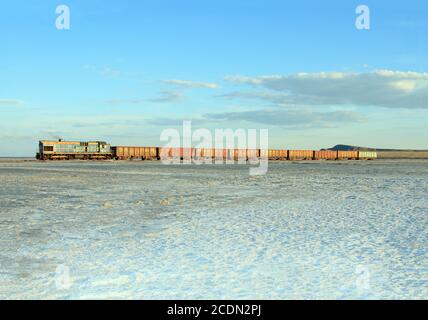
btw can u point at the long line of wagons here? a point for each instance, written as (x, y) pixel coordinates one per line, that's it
(99, 150)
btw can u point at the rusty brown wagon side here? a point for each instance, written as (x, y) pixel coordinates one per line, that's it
(198, 153)
(118, 152)
(207, 153)
(137, 153)
(230, 154)
(325, 155)
(186, 154)
(253, 154)
(123, 153)
(114, 152)
(176, 153)
(203, 153)
(169, 153)
(165, 153)
(274, 154)
(220, 154)
(145, 153)
(264, 153)
(130, 153)
(127, 153)
(154, 153)
(367, 155)
(347, 155)
(133, 153)
(240, 155)
(148, 153)
(300, 154)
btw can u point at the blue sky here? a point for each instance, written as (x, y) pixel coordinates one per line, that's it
(126, 70)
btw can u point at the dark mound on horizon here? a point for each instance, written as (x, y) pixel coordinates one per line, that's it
(345, 147)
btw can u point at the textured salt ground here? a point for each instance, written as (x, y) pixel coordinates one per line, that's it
(142, 230)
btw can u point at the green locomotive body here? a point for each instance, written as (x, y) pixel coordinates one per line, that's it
(69, 150)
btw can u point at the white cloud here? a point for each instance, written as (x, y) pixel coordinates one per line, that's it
(192, 84)
(168, 96)
(110, 72)
(272, 117)
(124, 101)
(404, 85)
(11, 102)
(282, 117)
(383, 88)
(269, 96)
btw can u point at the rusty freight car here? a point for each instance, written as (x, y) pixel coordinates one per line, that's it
(135, 153)
(325, 155)
(264, 153)
(300, 154)
(220, 154)
(175, 153)
(367, 155)
(253, 154)
(277, 154)
(240, 155)
(347, 155)
(208, 153)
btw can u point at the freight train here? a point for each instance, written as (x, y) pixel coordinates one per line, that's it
(99, 150)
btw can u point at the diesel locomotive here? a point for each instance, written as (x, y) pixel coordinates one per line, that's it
(69, 150)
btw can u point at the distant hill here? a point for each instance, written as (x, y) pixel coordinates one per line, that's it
(345, 147)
